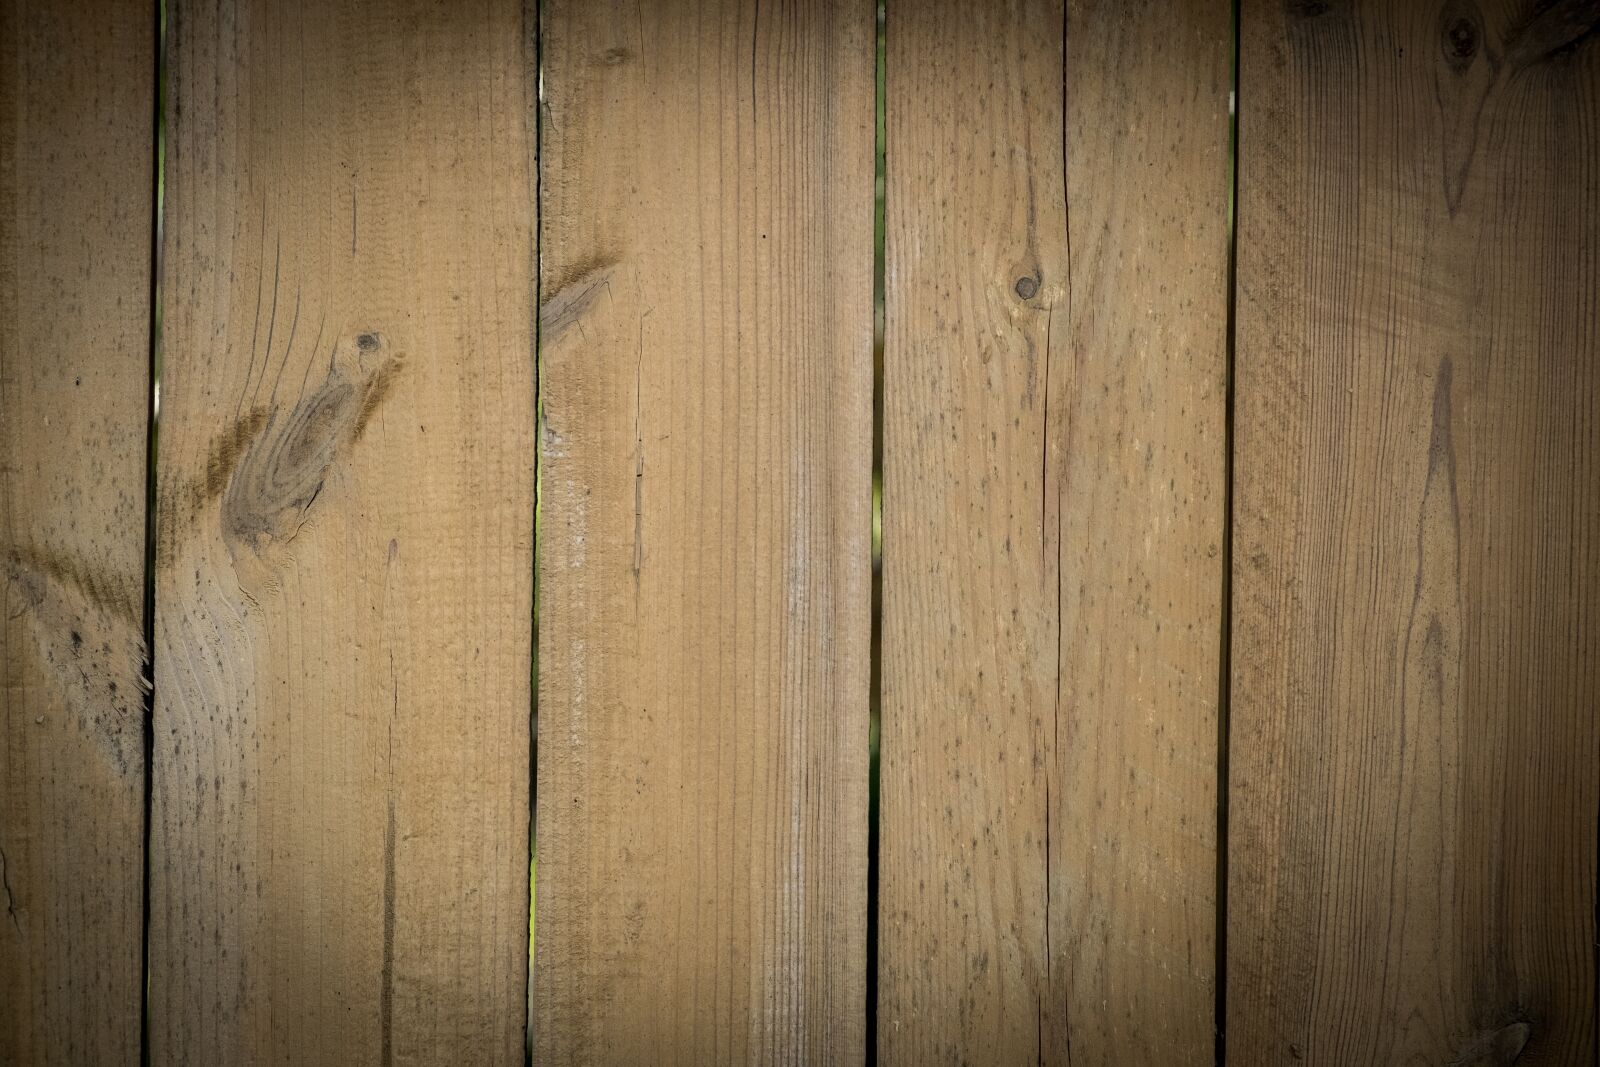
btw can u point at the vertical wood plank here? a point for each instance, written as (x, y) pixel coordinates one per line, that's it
(1053, 516)
(706, 337)
(344, 556)
(1417, 552)
(1136, 427)
(77, 150)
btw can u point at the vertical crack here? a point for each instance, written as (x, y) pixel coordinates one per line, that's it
(638, 453)
(386, 974)
(386, 990)
(11, 901)
(152, 422)
(755, 37)
(875, 535)
(533, 44)
(1058, 996)
(1225, 651)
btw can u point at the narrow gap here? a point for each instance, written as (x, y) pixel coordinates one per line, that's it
(152, 425)
(1225, 675)
(875, 697)
(538, 498)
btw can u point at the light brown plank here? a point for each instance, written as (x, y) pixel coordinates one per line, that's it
(77, 156)
(1417, 552)
(344, 560)
(706, 277)
(1053, 519)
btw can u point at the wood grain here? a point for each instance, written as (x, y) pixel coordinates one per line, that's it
(77, 156)
(1417, 547)
(706, 339)
(344, 556)
(1053, 520)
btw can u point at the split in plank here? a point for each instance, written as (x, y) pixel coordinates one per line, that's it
(1053, 520)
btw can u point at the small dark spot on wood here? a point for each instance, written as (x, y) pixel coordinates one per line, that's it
(77, 640)
(1027, 287)
(1296, 1052)
(614, 57)
(367, 342)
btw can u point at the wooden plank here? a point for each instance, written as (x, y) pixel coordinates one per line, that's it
(344, 557)
(77, 155)
(1417, 564)
(706, 337)
(1053, 516)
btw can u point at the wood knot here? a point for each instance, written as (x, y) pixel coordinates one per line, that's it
(1461, 39)
(572, 295)
(289, 460)
(1497, 1048)
(1027, 287)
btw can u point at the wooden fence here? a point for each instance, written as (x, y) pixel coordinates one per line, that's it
(1239, 660)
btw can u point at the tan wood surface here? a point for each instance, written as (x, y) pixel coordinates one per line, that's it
(1417, 545)
(344, 558)
(1053, 521)
(77, 203)
(706, 318)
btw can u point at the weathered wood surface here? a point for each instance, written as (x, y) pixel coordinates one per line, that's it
(344, 557)
(706, 289)
(1417, 548)
(1053, 521)
(77, 200)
